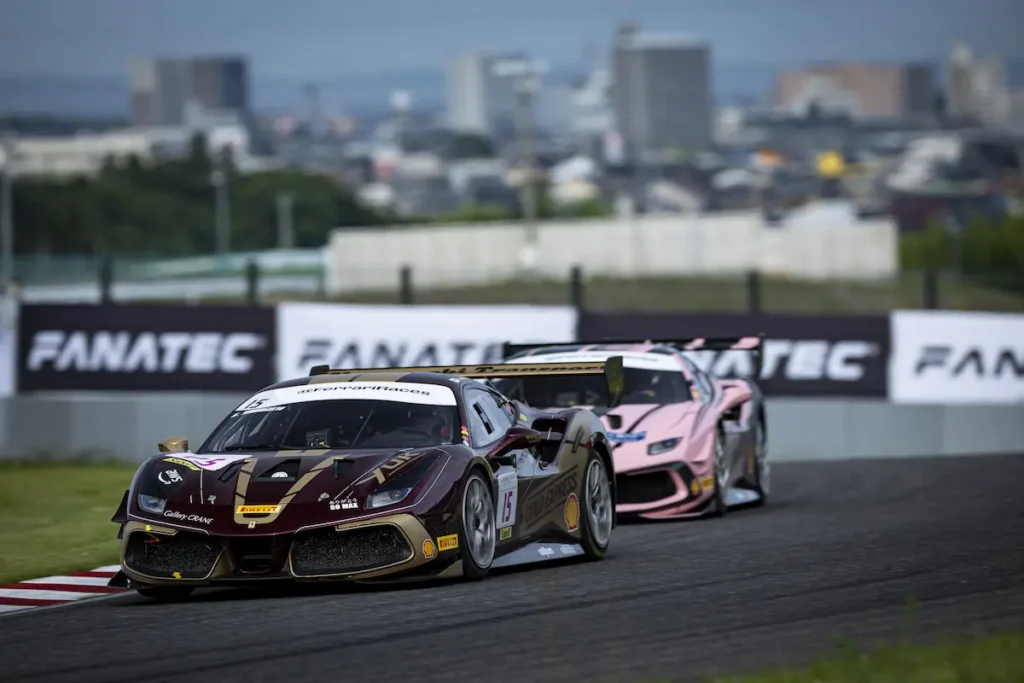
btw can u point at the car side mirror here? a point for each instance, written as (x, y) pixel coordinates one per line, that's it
(174, 444)
(516, 438)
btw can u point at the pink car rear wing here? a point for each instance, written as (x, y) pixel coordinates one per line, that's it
(754, 344)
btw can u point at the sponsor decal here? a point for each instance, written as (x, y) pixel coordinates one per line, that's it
(506, 533)
(257, 509)
(545, 551)
(450, 542)
(707, 483)
(695, 487)
(508, 494)
(212, 499)
(176, 575)
(182, 517)
(344, 505)
(183, 463)
(429, 549)
(550, 495)
(169, 477)
(621, 437)
(572, 512)
(567, 549)
(393, 388)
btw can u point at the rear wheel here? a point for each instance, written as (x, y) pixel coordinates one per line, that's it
(718, 506)
(167, 593)
(762, 483)
(477, 533)
(599, 509)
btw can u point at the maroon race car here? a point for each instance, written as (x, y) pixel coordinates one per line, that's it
(377, 474)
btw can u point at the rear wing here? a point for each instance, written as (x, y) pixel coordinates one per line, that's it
(754, 344)
(611, 368)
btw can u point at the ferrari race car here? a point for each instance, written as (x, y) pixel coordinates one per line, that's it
(685, 444)
(373, 475)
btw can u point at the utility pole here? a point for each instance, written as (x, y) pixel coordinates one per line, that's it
(7, 211)
(526, 77)
(285, 229)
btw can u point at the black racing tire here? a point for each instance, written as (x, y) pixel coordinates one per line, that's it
(760, 446)
(600, 505)
(167, 593)
(474, 569)
(718, 508)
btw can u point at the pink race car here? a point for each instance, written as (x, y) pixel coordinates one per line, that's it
(685, 444)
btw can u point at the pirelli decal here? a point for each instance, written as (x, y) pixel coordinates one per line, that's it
(252, 515)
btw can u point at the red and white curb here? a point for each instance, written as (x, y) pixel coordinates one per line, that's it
(57, 590)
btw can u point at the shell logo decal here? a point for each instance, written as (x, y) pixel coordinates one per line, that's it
(572, 512)
(429, 550)
(694, 487)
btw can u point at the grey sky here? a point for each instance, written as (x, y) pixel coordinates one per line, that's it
(318, 38)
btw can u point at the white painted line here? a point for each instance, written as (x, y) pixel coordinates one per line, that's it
(73, 580)
(13, 608)
(32, 594)
(112, 568)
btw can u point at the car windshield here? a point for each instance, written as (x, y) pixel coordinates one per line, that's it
(361, 422)
(642, 386)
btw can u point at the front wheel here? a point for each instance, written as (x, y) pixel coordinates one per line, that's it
(718, 506)
(167, 593)
(477, 536)
(599, 509)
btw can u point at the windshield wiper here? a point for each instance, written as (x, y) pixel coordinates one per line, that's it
(259, 447)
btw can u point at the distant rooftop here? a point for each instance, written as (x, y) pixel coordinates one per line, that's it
(660, 41)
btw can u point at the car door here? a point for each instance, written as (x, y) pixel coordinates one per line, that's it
(488, 422)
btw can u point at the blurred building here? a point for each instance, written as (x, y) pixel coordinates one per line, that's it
(479, 100)
(163, 91)
(661, 93)
(874, 91)
(976, 88)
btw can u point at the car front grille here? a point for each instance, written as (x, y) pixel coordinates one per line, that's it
(328, 552)
(182, 556)
(636, 489)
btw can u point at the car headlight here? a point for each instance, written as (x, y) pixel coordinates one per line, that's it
(385, 498)
(152, 504)
(659, 447)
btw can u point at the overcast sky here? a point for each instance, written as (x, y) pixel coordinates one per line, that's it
(317, 38)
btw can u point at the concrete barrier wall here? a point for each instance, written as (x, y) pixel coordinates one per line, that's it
(719, 244)
(128, 427)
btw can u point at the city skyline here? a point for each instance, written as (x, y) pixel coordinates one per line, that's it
(324, 38)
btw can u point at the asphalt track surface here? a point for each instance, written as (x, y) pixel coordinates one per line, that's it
(843, 550)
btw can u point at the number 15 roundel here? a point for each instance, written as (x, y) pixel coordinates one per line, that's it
(508, 492)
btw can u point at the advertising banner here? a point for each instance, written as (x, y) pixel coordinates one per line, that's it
(369, 336)
(8, 345)
(819, 355)
(956, 357)
(145, 347)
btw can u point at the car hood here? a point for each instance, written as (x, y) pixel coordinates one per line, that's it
(239, 494)
(631, 428)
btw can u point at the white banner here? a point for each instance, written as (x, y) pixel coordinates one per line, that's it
(368, 336)
(8, 345)
(956, 357)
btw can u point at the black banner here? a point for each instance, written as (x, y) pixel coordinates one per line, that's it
(145, 347)
(803, 355)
